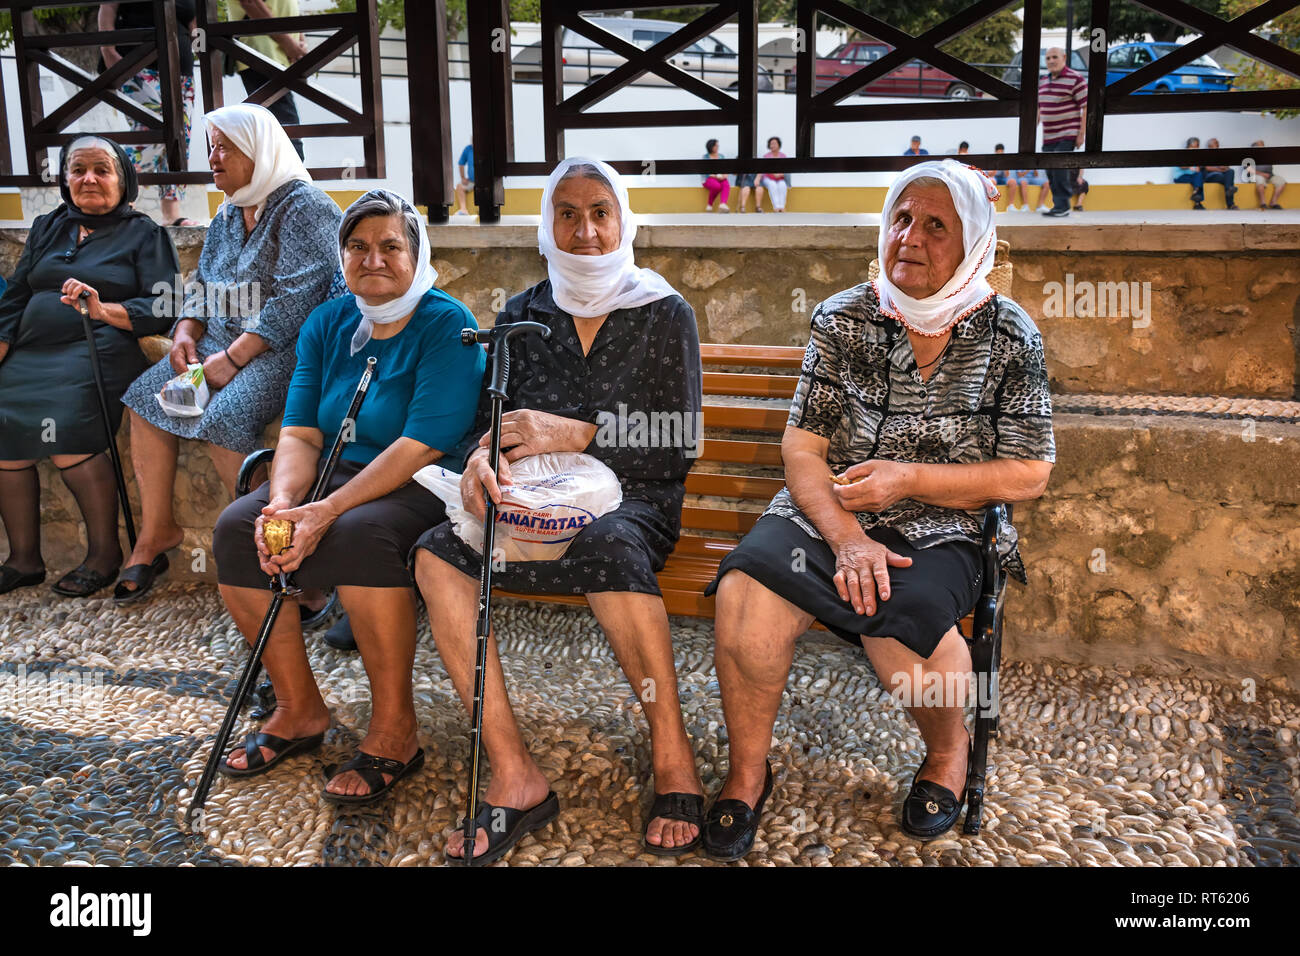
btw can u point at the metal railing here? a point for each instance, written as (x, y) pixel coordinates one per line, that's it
(215, 44)
(491, 76)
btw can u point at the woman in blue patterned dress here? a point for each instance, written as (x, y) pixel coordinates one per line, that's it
(268, 260)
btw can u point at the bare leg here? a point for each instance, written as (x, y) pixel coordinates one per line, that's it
(755, 633)
(227, 463)
(299, 710)
(153, 456)
(758, 199)
(452, 599)
(383, 620)
(1277, 194)
(942, 727)
(636, 626)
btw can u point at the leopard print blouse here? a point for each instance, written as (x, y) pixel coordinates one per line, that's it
(988, 398)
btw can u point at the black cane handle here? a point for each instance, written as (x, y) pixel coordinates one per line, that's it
(500, 337)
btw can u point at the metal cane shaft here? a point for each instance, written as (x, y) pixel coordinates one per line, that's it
(232, 712)
(113, 456)
(483, 633)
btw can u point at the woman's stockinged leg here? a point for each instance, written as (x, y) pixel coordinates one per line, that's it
(20, 510)
(94, 485)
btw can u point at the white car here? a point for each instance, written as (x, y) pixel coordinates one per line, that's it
(586, 60)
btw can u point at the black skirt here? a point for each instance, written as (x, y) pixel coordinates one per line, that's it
(936, 591)
(366, 547)
(619, 551)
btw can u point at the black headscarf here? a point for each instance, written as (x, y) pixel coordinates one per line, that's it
(126, 174)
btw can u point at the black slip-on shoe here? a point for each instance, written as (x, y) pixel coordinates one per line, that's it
(731, 825)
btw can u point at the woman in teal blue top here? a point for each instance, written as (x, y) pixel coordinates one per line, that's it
(356, 538)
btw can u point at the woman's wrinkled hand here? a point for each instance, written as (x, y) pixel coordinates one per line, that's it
(72, 290)
(862, 572)
(184, 353)
(218, 370)
(526, 432)
(477, 477)
(874, 485)
(310, 522)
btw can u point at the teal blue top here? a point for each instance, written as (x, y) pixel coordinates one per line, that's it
(426, 384)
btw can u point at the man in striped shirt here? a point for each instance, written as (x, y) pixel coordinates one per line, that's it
(1062, 106)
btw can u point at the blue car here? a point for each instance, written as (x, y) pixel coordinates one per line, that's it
(1202, 75)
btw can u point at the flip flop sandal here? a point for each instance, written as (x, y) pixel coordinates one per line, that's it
(12, 578)
(142, 576)
(675, 806)
(506, 826)
(371, 769)
(82, 582)
(280, 748)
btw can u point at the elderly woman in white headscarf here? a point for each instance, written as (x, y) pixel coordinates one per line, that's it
(267, 261)
(358, 536)
(923, 398)
(622, 342)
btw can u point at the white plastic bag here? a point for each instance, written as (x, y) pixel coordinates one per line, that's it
(186, 395)
(554, 496)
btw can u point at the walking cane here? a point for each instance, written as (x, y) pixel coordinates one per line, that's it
(500, 338)
(113, 456)
(280, 586)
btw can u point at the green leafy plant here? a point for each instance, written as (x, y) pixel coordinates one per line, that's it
(1284, 30)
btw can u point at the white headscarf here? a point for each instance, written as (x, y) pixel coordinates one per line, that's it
(974, 196)
(258, 135)
(404, 304)
(588, 286)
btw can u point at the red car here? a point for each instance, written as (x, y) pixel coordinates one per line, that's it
(911, 79)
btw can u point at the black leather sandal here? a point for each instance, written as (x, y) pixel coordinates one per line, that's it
(931, 810)
(728, 833)
(371, 769)
(311, 620)
(506, 826)
(675, 806)
(281, 749)
(82, 581)
(12, 578)
(142, 576)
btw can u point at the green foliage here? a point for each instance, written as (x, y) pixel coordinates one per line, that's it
(50, 20)
(391, 12)
(1128, 21)
(1253, 75)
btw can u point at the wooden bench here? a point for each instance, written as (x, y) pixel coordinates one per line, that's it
(747, 392)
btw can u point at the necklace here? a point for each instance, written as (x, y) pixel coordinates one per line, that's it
(942, 351)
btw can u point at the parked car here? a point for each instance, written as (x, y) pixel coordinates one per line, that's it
(586, 60)
(1011, 75)
(911, 79)
(1202, 75)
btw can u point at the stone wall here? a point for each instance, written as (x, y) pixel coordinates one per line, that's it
(1224, 299)
(1158, 537)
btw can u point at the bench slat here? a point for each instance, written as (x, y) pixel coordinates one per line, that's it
(741, 452)
(746, 417)
(759, 386)
(732, 486)
(759, 356)
(712, 519)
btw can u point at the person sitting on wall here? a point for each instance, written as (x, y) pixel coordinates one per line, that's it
(1193, 176)
(923, 398)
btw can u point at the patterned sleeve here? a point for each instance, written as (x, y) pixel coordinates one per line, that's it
(1023, 404)
(818, 404)
(301, 260)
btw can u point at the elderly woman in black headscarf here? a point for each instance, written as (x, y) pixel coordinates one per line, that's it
(94, 245)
